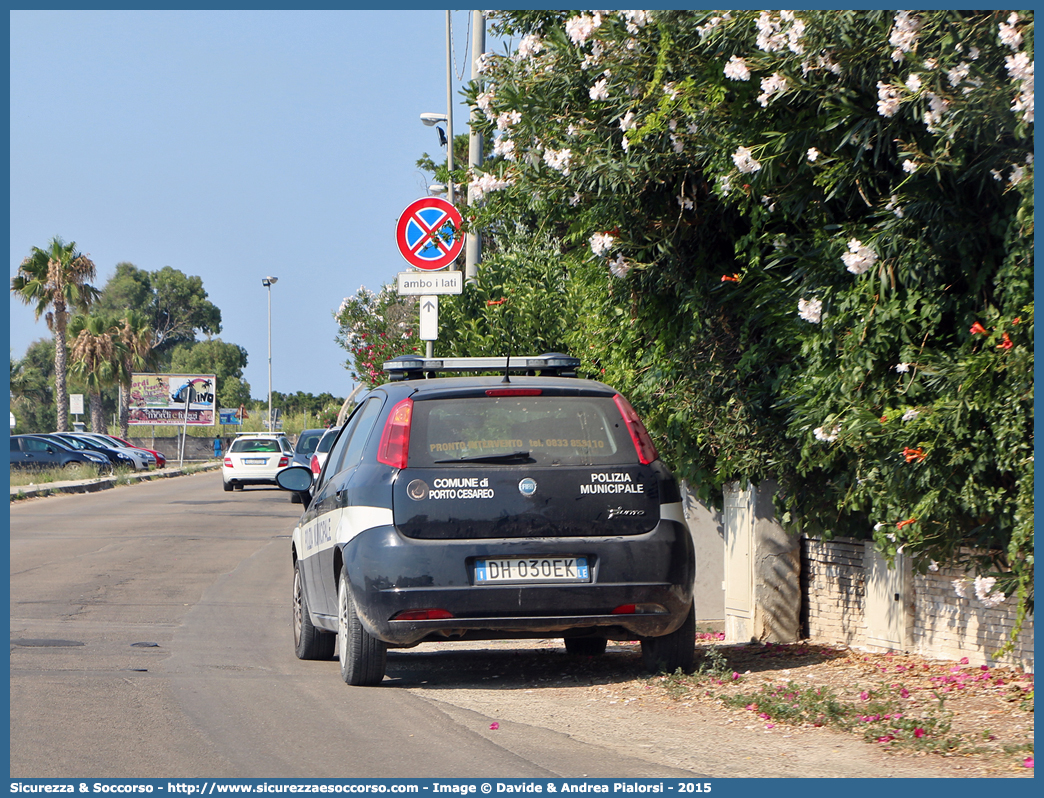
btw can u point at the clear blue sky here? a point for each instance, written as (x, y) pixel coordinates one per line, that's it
(230, 145)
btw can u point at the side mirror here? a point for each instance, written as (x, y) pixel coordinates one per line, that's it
(297, 479)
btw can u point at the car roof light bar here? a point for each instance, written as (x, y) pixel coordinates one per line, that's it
(412, 367)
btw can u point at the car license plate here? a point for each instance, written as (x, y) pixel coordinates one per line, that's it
(519, 570)
(255, 460)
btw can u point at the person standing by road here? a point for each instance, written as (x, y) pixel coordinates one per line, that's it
(217, 446)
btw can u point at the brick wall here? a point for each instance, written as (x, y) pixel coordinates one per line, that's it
(949, 627)
(945, 626)
(833, 586)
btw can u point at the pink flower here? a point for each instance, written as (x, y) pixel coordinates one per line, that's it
(494, 726)
(904, 693)
(864, 696)
(763, 715)
(770, 725)
(735, 675)
(964, 660)
(1027, 762)
(984, 667)
(752, 707)
(918, 732)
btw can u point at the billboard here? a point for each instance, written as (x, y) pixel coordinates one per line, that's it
(160, 399)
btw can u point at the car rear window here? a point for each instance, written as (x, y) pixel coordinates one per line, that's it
(255, 446)
(306, 443)
(547, 430)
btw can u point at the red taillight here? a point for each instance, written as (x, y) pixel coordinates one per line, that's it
(228, 461)
(314, 464)
(624, 609)
(394, 449)
(423, 615)
(642, 442)
(514, 392)
(284, 461)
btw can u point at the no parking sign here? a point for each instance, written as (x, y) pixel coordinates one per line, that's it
(428, 233)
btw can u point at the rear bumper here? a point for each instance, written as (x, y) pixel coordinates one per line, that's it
(391, 574)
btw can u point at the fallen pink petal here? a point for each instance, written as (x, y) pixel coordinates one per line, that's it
(494, 726)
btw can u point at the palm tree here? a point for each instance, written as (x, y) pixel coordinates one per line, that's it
(96, 359)
(137, 338)
(56, 281)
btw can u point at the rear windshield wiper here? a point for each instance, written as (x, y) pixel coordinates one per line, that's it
(513, 457)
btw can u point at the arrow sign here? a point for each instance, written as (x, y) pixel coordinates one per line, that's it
(429, 318)
(428, 233)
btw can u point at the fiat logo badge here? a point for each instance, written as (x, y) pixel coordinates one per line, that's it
(527, 487)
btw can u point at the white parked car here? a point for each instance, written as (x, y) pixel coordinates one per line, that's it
(255, 459)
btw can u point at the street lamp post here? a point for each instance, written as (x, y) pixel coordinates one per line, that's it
(268, 282)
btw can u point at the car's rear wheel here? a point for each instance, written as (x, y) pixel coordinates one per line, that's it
(585, 646)
(227, 486)
(309, 642)
(673, 651)
(363, 657)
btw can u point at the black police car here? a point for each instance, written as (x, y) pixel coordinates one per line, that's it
(490, 507)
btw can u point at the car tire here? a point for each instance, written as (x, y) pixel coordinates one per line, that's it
(227, 486)
(309, 642)
(673, 651)
(586, 646)
(363, 657)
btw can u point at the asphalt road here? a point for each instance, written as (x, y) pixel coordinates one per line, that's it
(150, 638)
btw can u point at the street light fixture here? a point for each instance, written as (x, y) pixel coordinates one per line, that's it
(268, 282)
(446, 140)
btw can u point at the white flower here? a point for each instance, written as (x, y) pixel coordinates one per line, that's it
(776, 31)
(1020, 68)
(1017, 173)
(771, 86)
(878, 527)
(670, 90)
(811, 310)
(505, 148)
(558, 159)
(627, 122)
(904, 34)
(933, 566)
(725, 184)
(736, 69)
(887, 99)
(745, 161)
(812, 154)
(485, 102)
(685, 203)
(636, 20)
(859, 258)
(705, 30)
(619, 267)
(902, 368)
(485, 63)
(913, 83)
(983, 591)
(960, 587)
(936, 106)
(574, 200)
(600, 90)
(530, 45)
(910, 166)
(911, 414)
(580, 28)
(825, 435)
(507, 119)
(486, 183)
(693, 128)
(894, 206)
(958, 74)
(601, 243)
(1009, 34)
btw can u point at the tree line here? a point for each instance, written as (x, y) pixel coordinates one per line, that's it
(139, 321)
